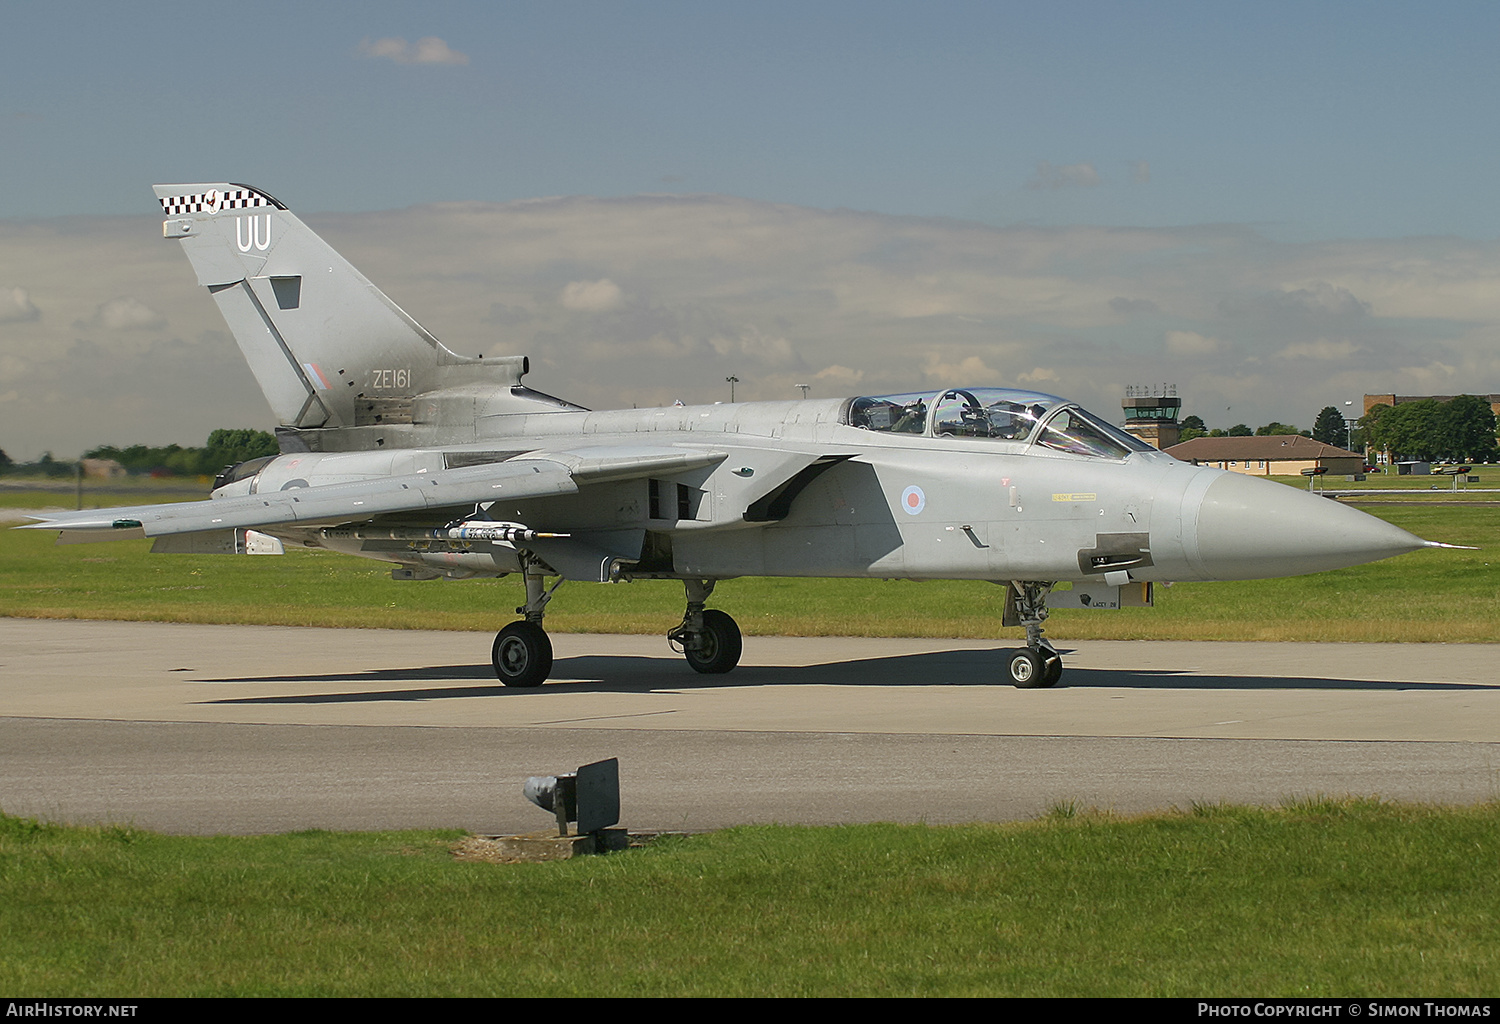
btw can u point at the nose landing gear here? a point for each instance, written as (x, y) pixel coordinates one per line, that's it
(1038, 664)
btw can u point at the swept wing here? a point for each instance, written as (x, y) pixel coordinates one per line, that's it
(531, 476)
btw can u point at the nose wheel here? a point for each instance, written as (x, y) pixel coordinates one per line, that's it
(1031, 670)
(1037, 665)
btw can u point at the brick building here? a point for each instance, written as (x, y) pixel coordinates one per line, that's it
(1274, 455)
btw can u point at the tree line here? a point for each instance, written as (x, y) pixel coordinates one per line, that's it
(1461, 429)
(1193, 426)
(223, 448)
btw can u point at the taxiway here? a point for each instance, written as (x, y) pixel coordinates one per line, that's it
(244, 729)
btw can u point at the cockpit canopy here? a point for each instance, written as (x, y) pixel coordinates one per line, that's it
(995, 414)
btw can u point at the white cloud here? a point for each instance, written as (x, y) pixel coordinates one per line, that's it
(968, 370)
(1322, 297)
(1053, 176)
(394, 49)
(1313, 299)
(1435, 376)
(853, 303)
(427, 50)
(592, 296)
(1191, 343)
(770, 350)
(16, 307)
(1322, 350)
(128, 314)
(841, 375)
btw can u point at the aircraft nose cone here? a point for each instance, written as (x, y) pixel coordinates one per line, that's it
(1257, 529)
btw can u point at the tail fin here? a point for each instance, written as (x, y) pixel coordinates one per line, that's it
(327, 347)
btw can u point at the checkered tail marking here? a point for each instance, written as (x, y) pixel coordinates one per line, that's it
(214, 201)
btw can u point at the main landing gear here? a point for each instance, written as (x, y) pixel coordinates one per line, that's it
(522, 655)
(1037, 664)
(711, 642)
(708, 638)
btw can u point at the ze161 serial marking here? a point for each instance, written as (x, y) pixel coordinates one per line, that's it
(390, 379)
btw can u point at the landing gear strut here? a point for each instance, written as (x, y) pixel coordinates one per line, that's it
(708, 638)
(1037, 664)
(522, 654)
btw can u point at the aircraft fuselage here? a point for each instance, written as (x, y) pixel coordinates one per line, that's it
(875, 504)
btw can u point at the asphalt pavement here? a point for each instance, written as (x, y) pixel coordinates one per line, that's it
(246, 729)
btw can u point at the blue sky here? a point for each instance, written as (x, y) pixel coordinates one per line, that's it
(1278, 206)
(1313, 120)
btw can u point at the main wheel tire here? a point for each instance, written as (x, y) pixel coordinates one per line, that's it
(1026, 669)
(719, 645)
(522, 654)
(1054, 671)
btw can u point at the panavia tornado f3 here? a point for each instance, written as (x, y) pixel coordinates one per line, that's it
(395, 448)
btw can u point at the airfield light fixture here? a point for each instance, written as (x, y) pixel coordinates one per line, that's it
(590, 796)
(731, 381)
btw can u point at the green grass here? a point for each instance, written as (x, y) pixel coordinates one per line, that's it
(1438, 595)
(61, 492)
(1320, 898)
(1410, 486)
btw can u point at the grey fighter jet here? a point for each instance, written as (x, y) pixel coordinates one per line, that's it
(395, 448)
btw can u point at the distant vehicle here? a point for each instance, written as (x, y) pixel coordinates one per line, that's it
(395, 448)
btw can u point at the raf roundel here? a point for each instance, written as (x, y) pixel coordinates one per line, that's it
(913, 501)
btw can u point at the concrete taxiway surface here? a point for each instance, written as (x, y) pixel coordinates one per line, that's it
(253, 729)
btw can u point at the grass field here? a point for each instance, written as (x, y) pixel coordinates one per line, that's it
(1488, 477)
(1438, 595)
(1321, 898)
(135, 490)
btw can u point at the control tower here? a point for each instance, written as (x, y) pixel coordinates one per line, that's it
(1151, 413)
